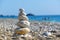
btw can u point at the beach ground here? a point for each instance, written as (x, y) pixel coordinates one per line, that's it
(7, 27)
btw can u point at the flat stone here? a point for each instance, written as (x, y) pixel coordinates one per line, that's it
(22, 31)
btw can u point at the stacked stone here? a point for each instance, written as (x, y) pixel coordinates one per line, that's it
(23, 23)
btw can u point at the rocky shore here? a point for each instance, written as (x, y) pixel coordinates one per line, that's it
(7, 27)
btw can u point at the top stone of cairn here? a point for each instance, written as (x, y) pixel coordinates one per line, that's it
(22, 15)
(22, 11)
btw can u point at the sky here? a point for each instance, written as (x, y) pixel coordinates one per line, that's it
(36, 7)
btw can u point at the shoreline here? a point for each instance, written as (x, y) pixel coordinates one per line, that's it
(31, 20)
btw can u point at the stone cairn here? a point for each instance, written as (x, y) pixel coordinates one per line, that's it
(23, 25)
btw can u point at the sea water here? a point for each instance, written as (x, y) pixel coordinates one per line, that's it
(52, 18)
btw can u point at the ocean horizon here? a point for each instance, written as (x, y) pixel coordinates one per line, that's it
(53, 18)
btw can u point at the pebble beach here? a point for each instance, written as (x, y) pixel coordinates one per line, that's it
(7, 27)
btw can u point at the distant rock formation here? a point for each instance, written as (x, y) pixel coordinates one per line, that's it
(1, 15)
(30, 14)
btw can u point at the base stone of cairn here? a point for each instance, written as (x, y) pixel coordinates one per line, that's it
(23, 26)
(22, 31)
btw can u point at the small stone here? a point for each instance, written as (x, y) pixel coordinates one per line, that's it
(1, 38)
(28, 37)
(9, 38)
